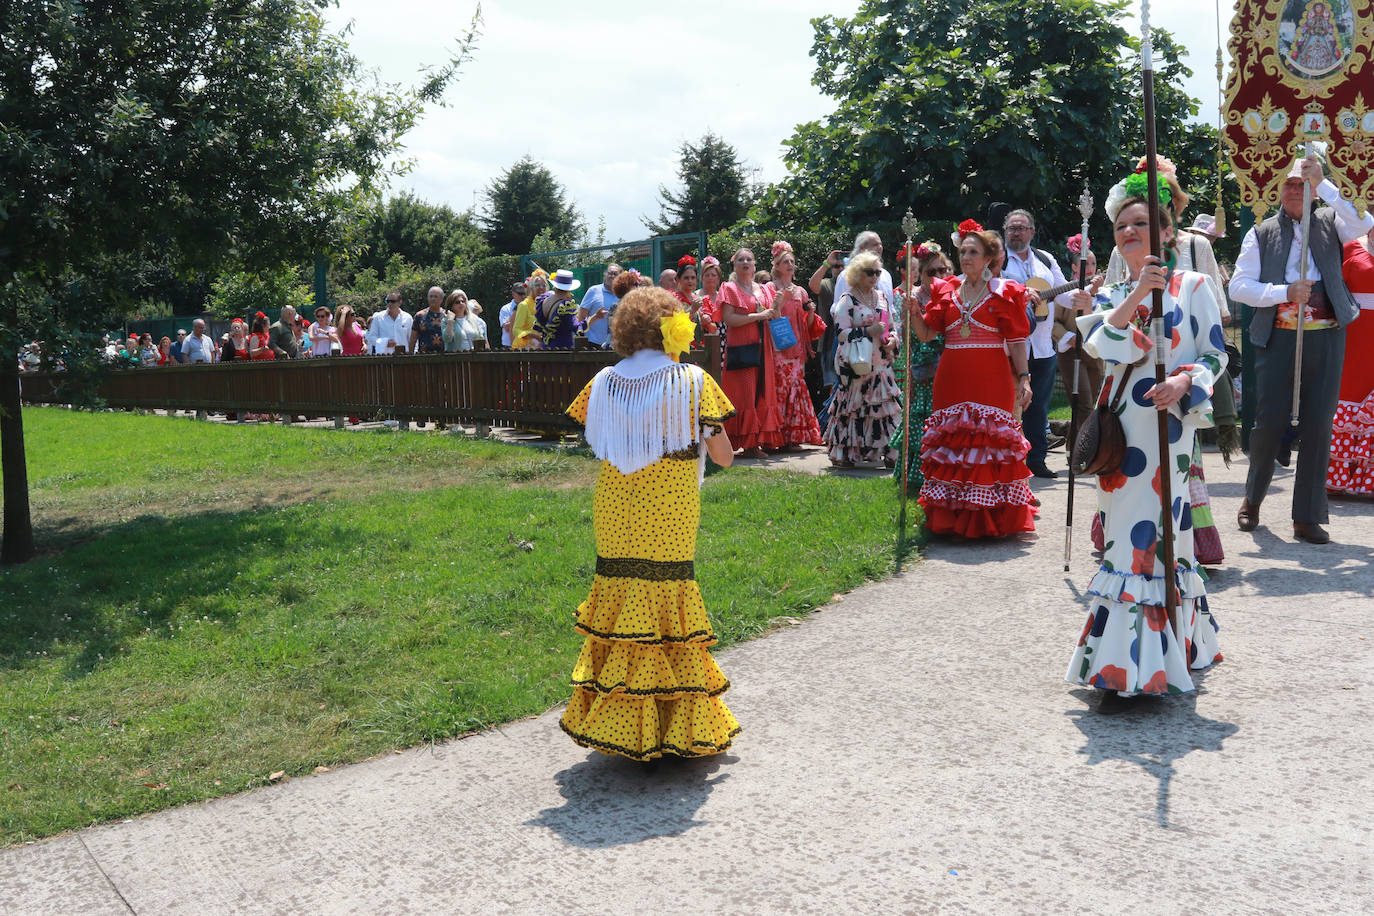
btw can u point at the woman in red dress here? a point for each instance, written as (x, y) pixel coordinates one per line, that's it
(259, 345)
(748, 378)
(973, 454)
(1352, 431)
(710, 292)
(799, 426)
(685, 292)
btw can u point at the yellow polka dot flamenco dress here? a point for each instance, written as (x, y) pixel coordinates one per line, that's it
(645, 683)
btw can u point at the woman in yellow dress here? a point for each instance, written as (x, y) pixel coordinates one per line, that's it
(645, 684)
(522, 336)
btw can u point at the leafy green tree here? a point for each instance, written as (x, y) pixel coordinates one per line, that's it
(945, 106)
(715, 189)
(525, 200)
(238, 294)
(427, 235)
(237, 131)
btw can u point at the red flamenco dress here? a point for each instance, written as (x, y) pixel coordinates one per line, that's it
(1351, 469)
(799, 426)
(752, 389)
(973, 455)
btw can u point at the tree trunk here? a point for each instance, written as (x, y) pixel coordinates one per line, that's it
(17, 544)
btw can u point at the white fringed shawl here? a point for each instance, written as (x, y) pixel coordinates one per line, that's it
(643, 408)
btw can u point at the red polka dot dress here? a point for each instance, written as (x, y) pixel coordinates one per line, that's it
(645, 683)
(1351, 469)
(973, 454)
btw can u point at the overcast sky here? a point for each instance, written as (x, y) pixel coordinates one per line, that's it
(603, 92)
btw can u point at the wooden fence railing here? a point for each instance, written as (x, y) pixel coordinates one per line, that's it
(499, 388)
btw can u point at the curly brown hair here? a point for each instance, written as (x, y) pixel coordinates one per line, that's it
(635, 324)
(625, 281)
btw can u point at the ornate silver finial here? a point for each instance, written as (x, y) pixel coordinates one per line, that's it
(909, 224)
(1085, 203)
(1147, 53)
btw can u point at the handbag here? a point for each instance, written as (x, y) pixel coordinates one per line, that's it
(784, 337)
(1101, 444)
(860, 356)
(744, 356)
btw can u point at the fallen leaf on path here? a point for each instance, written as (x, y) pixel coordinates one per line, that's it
(325, 769)
(277, 775)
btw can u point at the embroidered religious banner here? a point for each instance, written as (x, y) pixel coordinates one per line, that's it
(1301, 70)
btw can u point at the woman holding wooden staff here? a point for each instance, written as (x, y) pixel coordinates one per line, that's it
(1128, 646)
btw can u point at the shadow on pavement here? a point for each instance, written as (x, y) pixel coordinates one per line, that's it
(614, 801)
(1327, 568)
(1153, 733)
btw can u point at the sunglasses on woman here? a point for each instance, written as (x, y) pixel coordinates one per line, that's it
(872, 272)
(937, 271)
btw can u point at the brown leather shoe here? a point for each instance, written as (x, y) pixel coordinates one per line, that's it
(1311, 532)
(1248, 516)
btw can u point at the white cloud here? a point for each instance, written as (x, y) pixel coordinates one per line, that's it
(604, 93)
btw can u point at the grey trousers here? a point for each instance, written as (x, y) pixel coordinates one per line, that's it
(1323, 352)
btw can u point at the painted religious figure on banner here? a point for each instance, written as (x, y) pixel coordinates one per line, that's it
(1315, 36)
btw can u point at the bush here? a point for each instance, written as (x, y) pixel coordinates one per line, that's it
(240, 294)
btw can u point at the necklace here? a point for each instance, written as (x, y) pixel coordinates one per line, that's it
(966, 312)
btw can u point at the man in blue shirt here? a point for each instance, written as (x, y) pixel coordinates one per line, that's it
(597, 307)
(177, 355)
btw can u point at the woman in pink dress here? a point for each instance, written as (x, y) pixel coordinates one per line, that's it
(748, 378)
(351, 334)
(1351, 469)
(799, 426)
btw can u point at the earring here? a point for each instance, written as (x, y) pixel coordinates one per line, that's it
(987, 274)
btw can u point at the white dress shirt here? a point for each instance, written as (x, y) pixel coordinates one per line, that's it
(386, 328)
(1245, 282)
(507, 311)
(1020, 270)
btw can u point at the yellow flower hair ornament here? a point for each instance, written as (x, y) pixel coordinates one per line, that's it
(678, 332)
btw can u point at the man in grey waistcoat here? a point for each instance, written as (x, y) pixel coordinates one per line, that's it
(1267, 279)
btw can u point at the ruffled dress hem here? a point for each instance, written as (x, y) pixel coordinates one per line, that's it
(1118, 650)
(1351, 469)
(973, 464)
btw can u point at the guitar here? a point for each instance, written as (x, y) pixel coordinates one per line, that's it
(1048, 293)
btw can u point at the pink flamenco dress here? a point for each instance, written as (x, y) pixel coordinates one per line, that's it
(751, 388)
(973, 454)
(799, 426)
(1351, 470)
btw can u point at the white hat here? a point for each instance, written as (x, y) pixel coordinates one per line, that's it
(1318, 149)
(565, 280)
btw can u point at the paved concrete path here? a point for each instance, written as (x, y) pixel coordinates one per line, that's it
(911, 748)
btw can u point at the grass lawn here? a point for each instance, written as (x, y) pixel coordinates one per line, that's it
(218, 604)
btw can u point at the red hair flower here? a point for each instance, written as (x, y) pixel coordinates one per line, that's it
(967, 228)
(1075, 243)
(686, 261)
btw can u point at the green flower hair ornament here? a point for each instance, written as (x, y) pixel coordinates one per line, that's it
(1136, 184)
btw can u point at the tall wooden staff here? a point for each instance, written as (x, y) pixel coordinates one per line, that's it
(909, 226)
(1085, 208)
(1157, 335)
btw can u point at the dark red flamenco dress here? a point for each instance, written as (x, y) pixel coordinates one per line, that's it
(973, 455)
(752, 389)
